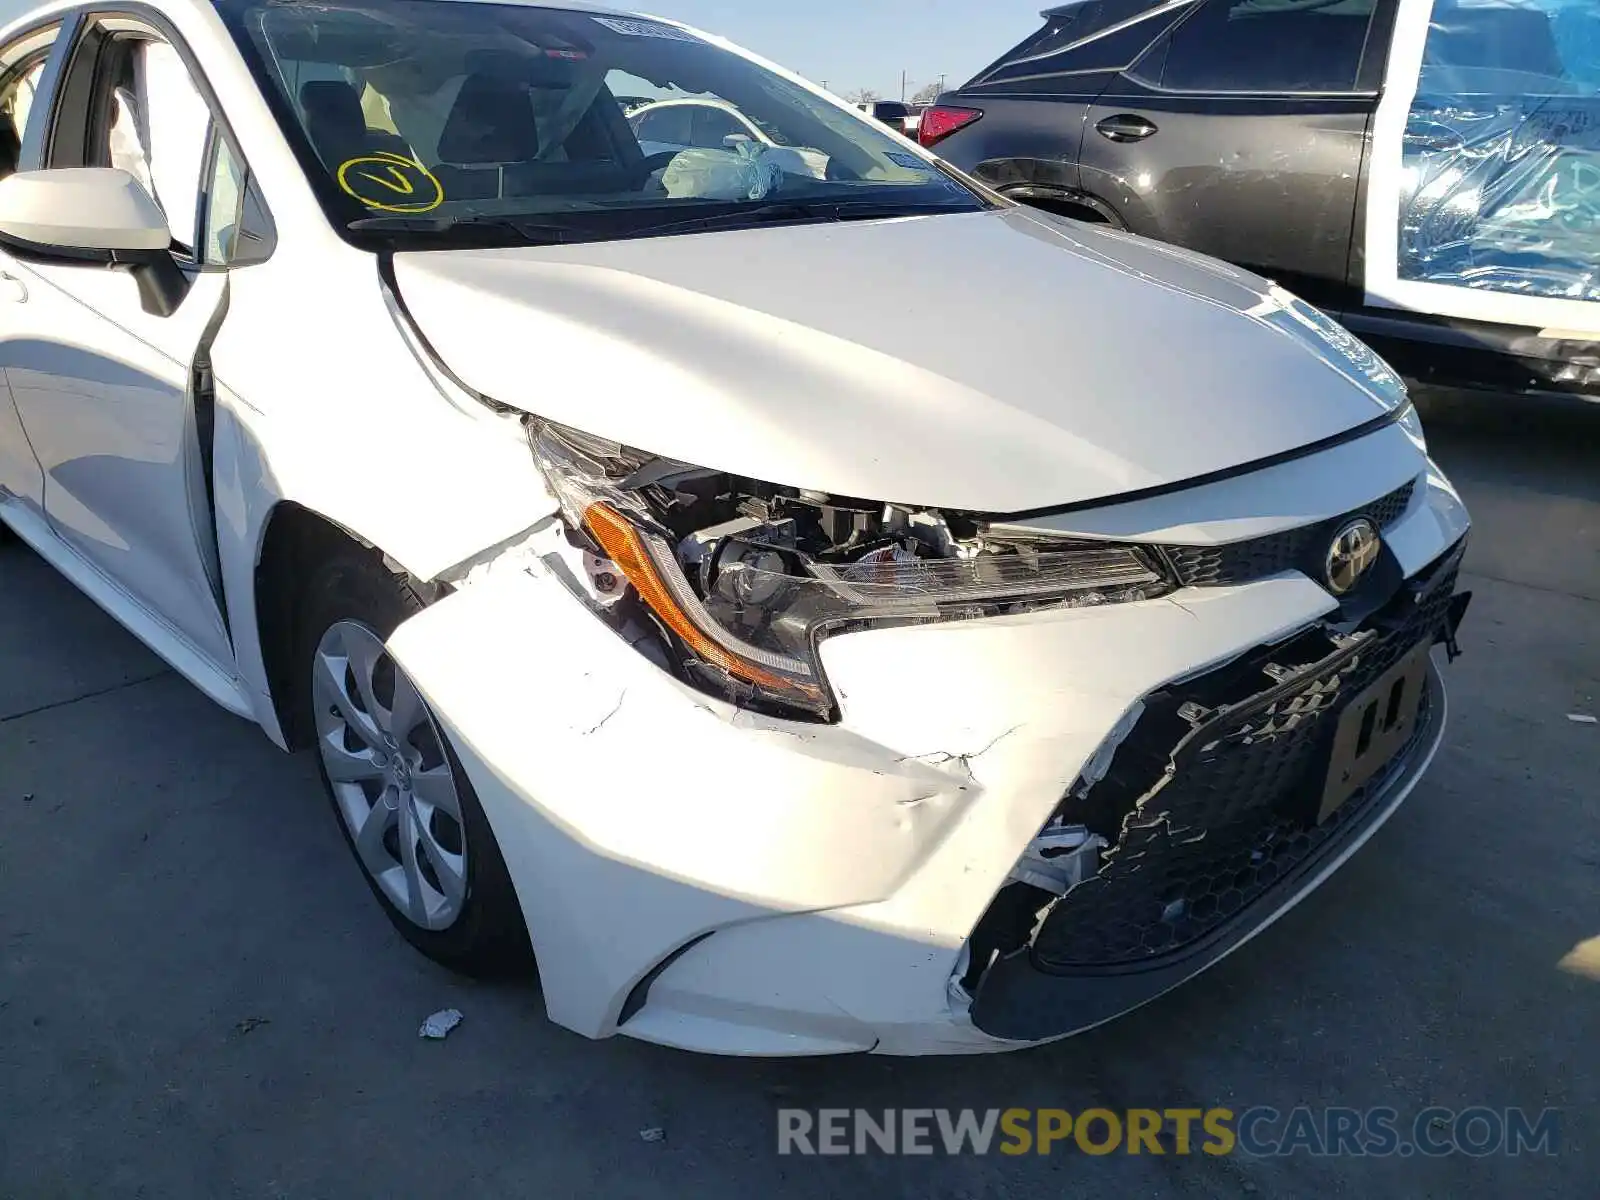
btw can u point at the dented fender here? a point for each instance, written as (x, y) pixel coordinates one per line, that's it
(623, 799)
(637, 815)
(338, 435)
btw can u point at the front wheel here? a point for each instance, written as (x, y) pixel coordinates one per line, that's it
(403, 801)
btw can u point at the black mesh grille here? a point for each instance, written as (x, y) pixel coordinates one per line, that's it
(1294, 549)
(1244, 772)
(1385, 512)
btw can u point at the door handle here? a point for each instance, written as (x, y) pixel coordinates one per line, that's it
(13, 289)
(1125, 127)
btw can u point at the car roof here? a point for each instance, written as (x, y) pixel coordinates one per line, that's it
(35, 15)
(570, 6)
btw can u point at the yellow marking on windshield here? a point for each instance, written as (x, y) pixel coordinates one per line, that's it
(395, 182)
(391, 183)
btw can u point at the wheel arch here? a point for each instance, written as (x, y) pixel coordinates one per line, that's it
(1067, 202)
(282, 513)
(294, 541)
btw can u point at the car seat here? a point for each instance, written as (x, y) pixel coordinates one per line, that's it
(338, 128)
(490, 127)
(490, 148)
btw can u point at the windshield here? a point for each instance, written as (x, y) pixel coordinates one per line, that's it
(435, 122)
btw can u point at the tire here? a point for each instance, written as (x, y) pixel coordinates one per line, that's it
(1073, 212)
(471, 924)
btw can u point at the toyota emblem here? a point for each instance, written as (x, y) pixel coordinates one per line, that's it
(1354, 551)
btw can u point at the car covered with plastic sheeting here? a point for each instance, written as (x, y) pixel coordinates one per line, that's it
(1428, 171)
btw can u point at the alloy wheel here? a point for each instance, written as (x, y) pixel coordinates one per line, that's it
(390, 776)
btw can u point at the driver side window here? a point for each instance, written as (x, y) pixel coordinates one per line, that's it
(146, 116)
(21, 67)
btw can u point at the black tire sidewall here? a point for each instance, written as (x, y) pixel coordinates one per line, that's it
(488, 939)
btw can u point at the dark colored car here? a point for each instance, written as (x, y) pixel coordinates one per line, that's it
(1428, 171)
(891, 112)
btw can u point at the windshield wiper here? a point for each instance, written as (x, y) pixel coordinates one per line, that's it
(798, 212)
(485, 229)
(477, 227)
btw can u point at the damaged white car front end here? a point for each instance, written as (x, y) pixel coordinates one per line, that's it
(780, 770)
(820, 612)
(702, 874)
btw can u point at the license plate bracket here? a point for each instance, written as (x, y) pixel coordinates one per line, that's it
(1374, 728)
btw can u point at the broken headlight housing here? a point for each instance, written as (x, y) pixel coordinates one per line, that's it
(741, 580)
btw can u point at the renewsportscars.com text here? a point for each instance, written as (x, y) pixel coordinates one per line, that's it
(1258, 1132)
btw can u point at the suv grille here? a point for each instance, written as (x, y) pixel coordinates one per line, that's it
(1247, 769)
(1293, 549)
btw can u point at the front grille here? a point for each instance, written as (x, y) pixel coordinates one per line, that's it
(1216, 791)
(1293, 549)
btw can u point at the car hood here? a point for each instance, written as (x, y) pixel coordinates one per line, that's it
(994, 362)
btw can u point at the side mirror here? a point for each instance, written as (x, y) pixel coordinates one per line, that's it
(92, 215)
(80, 212)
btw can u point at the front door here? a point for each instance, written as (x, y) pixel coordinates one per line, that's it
(21, 66)
(1240, 133)
(103, 386)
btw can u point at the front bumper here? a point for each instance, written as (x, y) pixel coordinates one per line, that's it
(717, 880)
(1215, 795)
(1021, 1002)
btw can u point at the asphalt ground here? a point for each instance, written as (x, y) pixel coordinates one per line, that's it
(198, 997)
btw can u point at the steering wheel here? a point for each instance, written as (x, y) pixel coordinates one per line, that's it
(656, 162)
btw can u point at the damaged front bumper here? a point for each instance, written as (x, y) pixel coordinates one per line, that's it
(717, 880)
(1226, 802)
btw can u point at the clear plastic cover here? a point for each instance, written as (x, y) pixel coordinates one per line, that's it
(1501, 188)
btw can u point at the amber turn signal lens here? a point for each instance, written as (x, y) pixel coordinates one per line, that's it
(621, 540)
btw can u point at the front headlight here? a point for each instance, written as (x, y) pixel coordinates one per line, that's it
(744, 579)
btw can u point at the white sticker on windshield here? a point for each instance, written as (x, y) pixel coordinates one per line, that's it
(649, 29)
(910, 161)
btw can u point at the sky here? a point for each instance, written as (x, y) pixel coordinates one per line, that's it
(850, 44)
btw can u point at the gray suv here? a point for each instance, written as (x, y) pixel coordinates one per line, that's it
(1428, 171)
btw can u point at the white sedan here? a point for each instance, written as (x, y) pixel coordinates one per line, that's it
(783, 682)
(682, 124)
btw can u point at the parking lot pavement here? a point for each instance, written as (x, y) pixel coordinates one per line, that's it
(199, 999)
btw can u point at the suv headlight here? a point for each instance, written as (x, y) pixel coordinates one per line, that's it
(744, 579)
